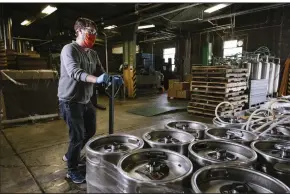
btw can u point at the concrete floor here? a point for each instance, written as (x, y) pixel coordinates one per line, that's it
(30, 155)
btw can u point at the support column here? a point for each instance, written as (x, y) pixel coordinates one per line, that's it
(129, 58)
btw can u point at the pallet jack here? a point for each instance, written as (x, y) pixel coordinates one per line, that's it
(112, 87)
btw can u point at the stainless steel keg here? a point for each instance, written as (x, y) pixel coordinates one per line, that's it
(152, 169)
(231, 122)
(274, 158)
(232, 134)
(233, 179)
(207, 152)
(174, 140)
(280, 132)
(195, 128)
(102, 155)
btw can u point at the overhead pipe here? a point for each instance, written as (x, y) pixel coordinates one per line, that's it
(161, 14)
(244, 12)
(106, 50)
(30, 39)
(134, 13)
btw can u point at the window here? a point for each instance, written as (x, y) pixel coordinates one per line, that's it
(118, 49)
(231, 48)
(169, 53)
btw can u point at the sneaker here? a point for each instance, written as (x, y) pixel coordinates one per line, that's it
(81, 163)
(76, 177)
(64, 158)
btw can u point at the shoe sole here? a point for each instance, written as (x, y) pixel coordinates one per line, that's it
(76, 182)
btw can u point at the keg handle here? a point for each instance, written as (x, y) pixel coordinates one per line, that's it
(157, 155)
(133, 141)
(231, 134)
(285, 148)
(236, 188)
(216, 174)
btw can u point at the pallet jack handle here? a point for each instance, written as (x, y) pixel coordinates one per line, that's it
(112, 94)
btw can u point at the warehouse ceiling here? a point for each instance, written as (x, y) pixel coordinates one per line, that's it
(170, 19)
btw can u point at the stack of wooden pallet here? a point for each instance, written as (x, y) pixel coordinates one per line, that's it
(3, 58)
(212, 85)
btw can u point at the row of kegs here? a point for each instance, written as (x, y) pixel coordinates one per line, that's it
(187, 156)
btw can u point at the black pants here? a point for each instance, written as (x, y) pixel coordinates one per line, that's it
(81, 121)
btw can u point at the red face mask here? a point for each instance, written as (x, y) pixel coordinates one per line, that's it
(89, 40)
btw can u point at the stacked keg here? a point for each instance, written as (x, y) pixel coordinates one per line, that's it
(188, 156)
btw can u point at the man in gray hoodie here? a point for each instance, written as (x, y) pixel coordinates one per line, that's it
(80, 70)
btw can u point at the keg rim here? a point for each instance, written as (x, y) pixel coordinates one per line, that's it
(180, 178)
(249, 160)
(229, 128)
(88, 148)
(233, 166)
(185, 121)
(264, 154)
(165, 130)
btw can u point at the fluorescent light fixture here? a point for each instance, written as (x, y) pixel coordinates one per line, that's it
(25, 22)
(110, 27)
(215, 8)
(49, 10)
(146, 26)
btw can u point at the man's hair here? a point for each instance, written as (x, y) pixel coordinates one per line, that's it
(84, 22)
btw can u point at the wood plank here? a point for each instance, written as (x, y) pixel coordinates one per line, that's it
(217, 90)
(219, 79)
(219, 74)
(239, 96)
(211, 113)
(213, 106)
(222, 94)
(219, 84)
(216, 102)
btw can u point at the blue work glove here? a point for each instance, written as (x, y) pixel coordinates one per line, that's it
(118, 81)
(102, 78)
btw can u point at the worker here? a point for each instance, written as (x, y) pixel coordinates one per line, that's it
(80, 70)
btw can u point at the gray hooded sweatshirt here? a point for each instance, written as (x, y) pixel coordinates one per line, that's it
(76, 64)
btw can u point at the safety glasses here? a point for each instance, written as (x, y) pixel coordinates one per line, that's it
(90, 30)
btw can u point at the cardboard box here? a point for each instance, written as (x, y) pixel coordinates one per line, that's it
(171, 93)
(181, 85)
(171, 82)
(183, 94)
(188, 78)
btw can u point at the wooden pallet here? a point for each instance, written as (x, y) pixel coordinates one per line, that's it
(216, 102)
(219, 79)
(217, 98)
(212, 107)
(216, 89)
(205, 112)
(217, 95)
(217, 84)
(220, 74)
(224, 69)
(3, 57)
